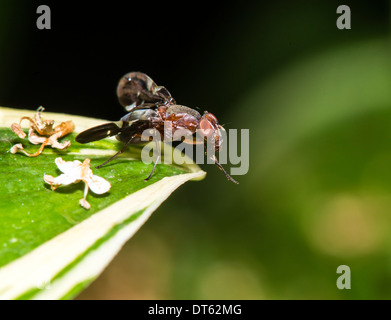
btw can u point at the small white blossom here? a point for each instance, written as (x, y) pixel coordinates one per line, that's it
(75, 171)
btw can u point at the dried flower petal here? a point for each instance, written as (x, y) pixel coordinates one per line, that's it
(18, 130)
(16, 148)
(42, 132)
(85, 204)
(36, 139)
(97, 184)
(68, 166)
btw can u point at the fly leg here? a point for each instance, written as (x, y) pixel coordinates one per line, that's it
(117, 154)
(213, 157)
(157, 158)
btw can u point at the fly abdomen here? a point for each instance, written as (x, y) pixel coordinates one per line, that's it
(98, 133)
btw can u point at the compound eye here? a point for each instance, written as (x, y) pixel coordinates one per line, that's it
(212, 118)
(206, 128)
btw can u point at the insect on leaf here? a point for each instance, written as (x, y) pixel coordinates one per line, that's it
(50, 246)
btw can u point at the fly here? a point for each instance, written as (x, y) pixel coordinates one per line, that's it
(150, 106)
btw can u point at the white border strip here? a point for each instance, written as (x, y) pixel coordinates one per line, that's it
(25, 273)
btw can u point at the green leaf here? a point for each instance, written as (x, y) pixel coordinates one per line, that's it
(51, 247)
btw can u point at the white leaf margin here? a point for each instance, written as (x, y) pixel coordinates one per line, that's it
(37, 271)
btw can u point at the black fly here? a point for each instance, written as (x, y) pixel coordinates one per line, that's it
(150, 106)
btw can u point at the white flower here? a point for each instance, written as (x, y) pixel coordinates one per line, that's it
(75, 171)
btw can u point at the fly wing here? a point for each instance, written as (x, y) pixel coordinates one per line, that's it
(133, 131)
(136, 90)
(133, 123)
(98, 133)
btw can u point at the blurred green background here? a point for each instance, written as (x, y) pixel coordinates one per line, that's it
(317, 101)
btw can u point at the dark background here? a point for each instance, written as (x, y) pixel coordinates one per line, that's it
(316, 99)
(208, 54)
